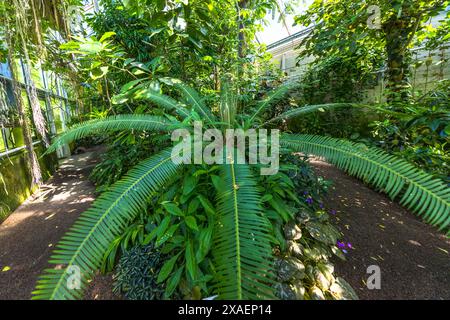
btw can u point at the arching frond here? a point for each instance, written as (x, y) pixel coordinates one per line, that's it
(111, 124)
(82, 248)
(418, 191)
(164, 101)
(273, 97)
(228, 104)
(309, 109)
(193, 98)
(241, 249)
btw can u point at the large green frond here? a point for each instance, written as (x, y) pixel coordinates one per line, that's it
(242, 248)
(309, 109)
(273, 97)
(418, 190)
(164, 101)
(193, 98)
(111, 124)
(83, 246)
(228, 104)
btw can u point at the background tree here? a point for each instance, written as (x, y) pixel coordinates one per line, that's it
(370, 34)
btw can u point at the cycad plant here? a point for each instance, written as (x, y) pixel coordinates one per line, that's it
(241, 234)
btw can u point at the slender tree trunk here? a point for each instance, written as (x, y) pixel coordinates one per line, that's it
(399, 32)
(242, 4)
(38, 117)
(398, 58)
(242, 45)
(32, 161)
(21, 27)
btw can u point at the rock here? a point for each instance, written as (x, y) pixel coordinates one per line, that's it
(292, 231)
(284, 292)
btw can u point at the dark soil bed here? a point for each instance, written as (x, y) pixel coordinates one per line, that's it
(413, 257)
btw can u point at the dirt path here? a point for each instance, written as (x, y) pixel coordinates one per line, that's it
(28, 235)
(413, 257)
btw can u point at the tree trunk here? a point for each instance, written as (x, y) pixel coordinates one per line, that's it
(38, 117)
(32, 161)
(242, 4)
(398, 58)
(399, 31)
(21, 29)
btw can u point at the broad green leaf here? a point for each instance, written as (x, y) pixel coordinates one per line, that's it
(106, 36)
(167, 268)
(191, 222)
(172, 208)
(173, 282)
(167, 235)
(206, 205)
(189, 184)
(191, 264)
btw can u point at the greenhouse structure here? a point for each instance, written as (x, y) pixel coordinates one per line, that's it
(266, 150)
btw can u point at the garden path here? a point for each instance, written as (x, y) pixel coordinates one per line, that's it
(29, 234)
(414, 258)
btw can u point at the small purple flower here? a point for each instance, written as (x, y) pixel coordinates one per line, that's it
(349, 245)
(340, 244)
(321, 205)
(309, 200)
(333, 212)
(344, 251)
(305, 193)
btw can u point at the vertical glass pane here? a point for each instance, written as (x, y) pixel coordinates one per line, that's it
(2, 142)
(36, 77)
(20, 77)
(16, 134)
(57, 115)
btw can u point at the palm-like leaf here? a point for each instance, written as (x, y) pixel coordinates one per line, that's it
(193, 98)
(164, 101)
(228, 104)
(87, 241)
(419, 191)
(310, 109)
(111, 124)
(242, 248)
(274, 97)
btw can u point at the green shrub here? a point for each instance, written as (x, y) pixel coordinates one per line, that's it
(137, 273)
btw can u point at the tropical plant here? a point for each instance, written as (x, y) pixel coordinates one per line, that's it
(420, 132)
(137, 273)
(241, 231)
(371, 33)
